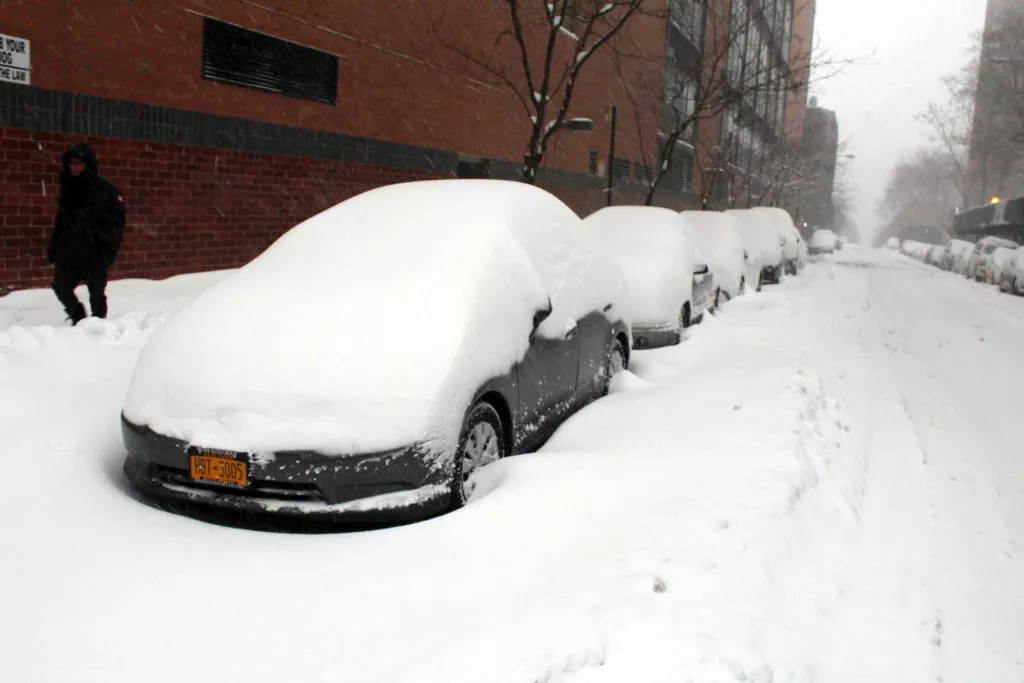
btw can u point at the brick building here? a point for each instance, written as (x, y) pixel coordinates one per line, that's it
(226, 122)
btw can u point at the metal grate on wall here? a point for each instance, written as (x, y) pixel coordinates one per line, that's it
(620, 169)
(642, 173)
(235, 55)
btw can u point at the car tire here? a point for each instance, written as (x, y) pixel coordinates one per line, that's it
(481, 442)
(743, 284)
(760, 281)
(684, 316)
(614, 364)
(718, 300)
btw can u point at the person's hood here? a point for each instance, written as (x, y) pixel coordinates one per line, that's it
(85, 153)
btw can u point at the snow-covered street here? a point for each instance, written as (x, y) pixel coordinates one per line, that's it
(823, 482)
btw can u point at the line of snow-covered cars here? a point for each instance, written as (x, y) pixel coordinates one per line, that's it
(994, 260)
(377, 355)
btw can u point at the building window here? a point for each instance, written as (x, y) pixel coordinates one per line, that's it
(593, 162)
(238, 56)
(472, 167)
(688, 18)
(642, 173)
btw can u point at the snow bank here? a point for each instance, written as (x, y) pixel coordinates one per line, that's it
(718, 237)
(368, 326)
(760, 236)
(656, 257)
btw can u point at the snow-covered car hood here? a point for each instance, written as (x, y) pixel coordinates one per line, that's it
(367, 327)
(656, 257)
(823, 239)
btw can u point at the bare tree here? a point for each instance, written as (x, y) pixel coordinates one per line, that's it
(735, 77)
(980, 124)
(921, 191)
(538, 54)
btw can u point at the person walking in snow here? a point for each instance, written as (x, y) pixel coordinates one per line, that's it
(86, 234)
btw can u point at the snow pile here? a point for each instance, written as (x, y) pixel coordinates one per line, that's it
(718, 236)
(760, 236)
(892, 243)
(656, 257)
(367, 327)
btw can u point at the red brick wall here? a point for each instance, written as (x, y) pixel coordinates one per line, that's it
(189, 208)
(396, 80)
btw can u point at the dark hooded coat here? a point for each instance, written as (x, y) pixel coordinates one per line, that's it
(90, 217)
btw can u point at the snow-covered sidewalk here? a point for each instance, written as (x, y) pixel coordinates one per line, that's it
(820, 483)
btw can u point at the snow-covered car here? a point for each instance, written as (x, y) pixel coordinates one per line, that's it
(934, 255)
(823, 241)
(376, 356)
(999, 260)
(718, 237)
(762, 242)
(892, 243)
(658, 261)
(977, 263)
(955, 257)
(1011, 279)
(789, 235)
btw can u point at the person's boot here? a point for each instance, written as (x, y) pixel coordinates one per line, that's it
(76, 313)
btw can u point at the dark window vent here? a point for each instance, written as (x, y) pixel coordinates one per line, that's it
(235, 55)
(620, 169)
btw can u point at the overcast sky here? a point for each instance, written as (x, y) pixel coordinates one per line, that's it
(915, 43)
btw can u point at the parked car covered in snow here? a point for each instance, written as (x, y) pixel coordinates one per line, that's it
(762, 242)
(933, 257)
(1011, 279)
(955, 257)
(977, 263)
(660, 268)
(789, 235)
(892, 243)
(996, 264)
(376, 356)
(823, 241)
(718, 236)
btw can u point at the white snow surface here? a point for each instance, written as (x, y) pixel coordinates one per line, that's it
(759, 234)
(656, 256)
(823, 482)
(369, 326)
(1000, 260)
(718, 236)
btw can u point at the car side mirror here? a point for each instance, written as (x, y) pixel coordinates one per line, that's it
(700, 269)
(539, 317)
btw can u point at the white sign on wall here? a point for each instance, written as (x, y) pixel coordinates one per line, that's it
(15, 60)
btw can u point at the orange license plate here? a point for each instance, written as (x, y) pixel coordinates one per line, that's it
(222, 469)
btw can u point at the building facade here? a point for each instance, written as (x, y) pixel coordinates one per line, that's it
(227, 122)
(820, 149)
(995, 167)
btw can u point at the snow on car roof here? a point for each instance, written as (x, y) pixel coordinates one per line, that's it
(759, 234)
(363, 327)
(656, 257)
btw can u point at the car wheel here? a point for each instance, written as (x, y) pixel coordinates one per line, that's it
(615, 364)
(760, 281)
(743, 284)
(684, 316)
(718, 300)
(481, 442)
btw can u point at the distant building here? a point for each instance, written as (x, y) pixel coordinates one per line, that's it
(820, 149)
(997, 144)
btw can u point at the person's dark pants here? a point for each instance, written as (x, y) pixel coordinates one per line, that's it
(66, 278)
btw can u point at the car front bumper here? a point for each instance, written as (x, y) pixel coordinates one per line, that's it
(653, 338)
(288, 489)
